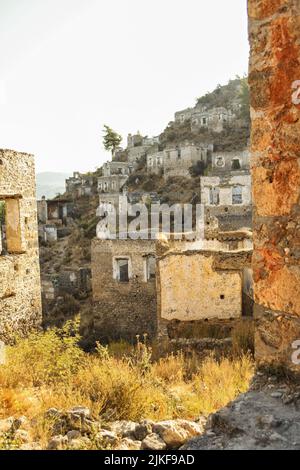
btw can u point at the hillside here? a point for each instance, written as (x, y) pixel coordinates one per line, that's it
(234, 95)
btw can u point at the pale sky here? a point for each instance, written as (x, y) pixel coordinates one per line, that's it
(69, 66)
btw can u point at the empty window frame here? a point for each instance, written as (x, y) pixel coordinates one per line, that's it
(150, 268)
(237, 195)
(235, 164)
(122, 269)
(214, 196)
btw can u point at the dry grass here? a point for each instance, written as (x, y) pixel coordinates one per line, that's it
(50, 370)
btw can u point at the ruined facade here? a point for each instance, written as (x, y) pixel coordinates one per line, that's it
(214, 119)
(144, 286)
(201, 281)
(177, 160)
(274, 78)
(20, 291)
(124, 288)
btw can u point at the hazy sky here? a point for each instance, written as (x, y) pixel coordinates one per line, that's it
(69, 66)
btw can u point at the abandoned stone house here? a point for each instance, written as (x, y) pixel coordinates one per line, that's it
(124, 291)
(177, 160)
(20, 290)
(213, 119)
(80, 185)
(141, 285)
(111, 184)
(53, 218)
(53, 211)
(200, 282)
(138, 147)
(225, 162)
(116, 168)
(227, 190)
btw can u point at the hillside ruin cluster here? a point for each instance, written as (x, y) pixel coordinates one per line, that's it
(161, 287)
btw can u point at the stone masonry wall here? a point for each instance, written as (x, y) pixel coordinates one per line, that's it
(198, 285)
(274, 78)
(20, 291)
(122, 310)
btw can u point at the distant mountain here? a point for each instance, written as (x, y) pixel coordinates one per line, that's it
(50, 184)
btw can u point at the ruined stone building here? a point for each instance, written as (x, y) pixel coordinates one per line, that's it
(138, 147)
(177, 160)
(224, 162)
(140, 286)
(124, 288)
(53, 217)
(80, 185)
(20, 290)
(116, 168)
(213, 119)
(202, 280)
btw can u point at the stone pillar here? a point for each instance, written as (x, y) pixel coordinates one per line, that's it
(274, 78)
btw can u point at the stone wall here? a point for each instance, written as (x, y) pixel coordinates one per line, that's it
(20, 290)
(122, 309)
(274, 31)
(195, 285)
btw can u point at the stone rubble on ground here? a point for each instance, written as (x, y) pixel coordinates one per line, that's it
(75, 429)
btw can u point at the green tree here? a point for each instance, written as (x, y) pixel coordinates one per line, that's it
(111, 139)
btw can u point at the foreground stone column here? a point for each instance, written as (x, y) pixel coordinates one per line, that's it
(274, 78)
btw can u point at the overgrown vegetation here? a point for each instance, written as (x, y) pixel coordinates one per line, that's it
(117, 382)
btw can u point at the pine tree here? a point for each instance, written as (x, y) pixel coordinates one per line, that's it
(111, 139)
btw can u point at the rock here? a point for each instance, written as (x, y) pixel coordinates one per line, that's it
(74, 434)
(22, 436)
(123, 428)
(57, 443)
(107, 437)
(143, 429)
(6, 424)
(79, 444)
(129, 444)
(153, 442)
(268, 421)
(176, 433)
(21, 423)
(275, 436)
(276, 394)
(52, 413)
(81, 411)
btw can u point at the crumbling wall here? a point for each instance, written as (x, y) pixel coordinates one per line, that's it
(197, 285)
(274, 32)
(20, 291)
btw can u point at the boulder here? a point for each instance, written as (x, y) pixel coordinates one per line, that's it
(22, 436)
(153, 442)
(57, 443)
(107, 437)
(82, 443)
(123, 428)
(129, 444)
(143, 429)
(74, 434)
(175, 433)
